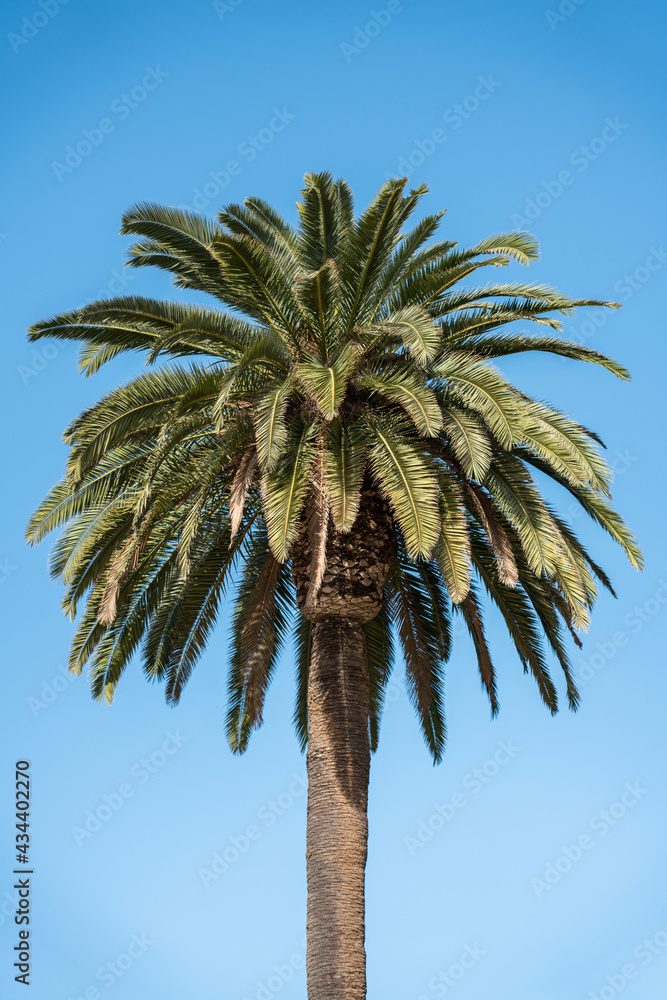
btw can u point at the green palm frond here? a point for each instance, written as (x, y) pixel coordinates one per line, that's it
(415, 329)
(428, 285)
(270, 426)
(516, 495)
(468, 440)
(421, 641)
(470, 610)
(522, 624)
(177, 241)
(380, 652)
(408, 481)
(409, 392)
(258, 220)
(260, 287)
(261, 619)
(319, 217)
(368, 245)
(284, 492)
(303, 645)
(344, 465)
(452, 550)
(504, 345)
(477, 386)
(326, 384)
(318, 295)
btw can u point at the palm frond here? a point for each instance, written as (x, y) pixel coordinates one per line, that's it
(284, 492)
(409, 484)
(261, 619)
(380, 652)
(421, 644)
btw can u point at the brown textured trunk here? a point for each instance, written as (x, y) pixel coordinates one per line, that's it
(336, 843)
(357, 564)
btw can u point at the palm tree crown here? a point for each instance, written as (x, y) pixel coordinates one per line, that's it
(347, 398)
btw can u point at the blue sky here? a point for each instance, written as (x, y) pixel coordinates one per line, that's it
(530, 865)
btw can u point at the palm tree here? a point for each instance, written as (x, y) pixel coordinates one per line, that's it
(342, 446)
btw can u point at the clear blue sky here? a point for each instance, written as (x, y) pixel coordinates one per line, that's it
(560, 119)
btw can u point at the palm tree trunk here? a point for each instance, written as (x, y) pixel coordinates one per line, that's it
(336, 844)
